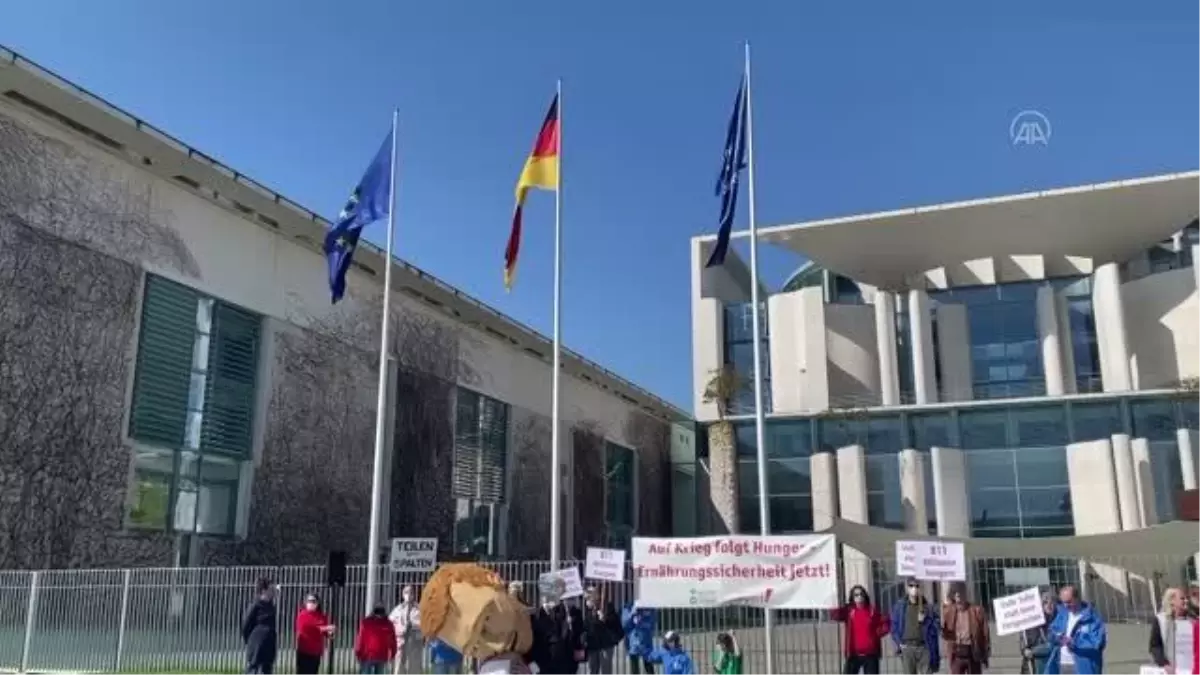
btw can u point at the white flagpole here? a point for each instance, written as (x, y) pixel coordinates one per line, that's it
(556, 470)
(381, 402)
(764, 509)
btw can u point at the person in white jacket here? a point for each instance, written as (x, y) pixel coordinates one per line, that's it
(410, 644)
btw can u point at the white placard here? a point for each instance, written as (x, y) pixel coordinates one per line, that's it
(931, 560)
(562, 584)
(784, 572)
(605, 564)
(1019, 611)
(414, 555)
(1152, 670)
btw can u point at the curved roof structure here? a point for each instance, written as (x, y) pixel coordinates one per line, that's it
(1103, 223)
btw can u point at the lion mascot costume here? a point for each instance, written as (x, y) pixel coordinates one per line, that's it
(467, 607)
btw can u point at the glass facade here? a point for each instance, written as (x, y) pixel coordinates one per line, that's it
(739, 353)
(1015, 458)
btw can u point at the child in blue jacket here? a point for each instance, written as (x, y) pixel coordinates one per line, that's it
(639, 625)
(1077, 633)
(673, 657)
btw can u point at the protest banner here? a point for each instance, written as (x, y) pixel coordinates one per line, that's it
(605, 564)
(931, 560)
(561, 585)
(1017, 612)
(413, 555)
(780, 572)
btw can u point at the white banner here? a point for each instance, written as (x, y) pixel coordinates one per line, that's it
(782, 572)
(931, 560)
(561, 585)
(414, 555)
(605, 564)
(1017, 612)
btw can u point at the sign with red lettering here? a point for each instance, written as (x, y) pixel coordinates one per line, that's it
(931, 560)
(780, 572)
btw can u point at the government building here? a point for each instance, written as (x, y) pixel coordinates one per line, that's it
(1018, 367)
(177, 389)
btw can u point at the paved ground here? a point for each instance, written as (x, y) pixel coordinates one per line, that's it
(801, 647)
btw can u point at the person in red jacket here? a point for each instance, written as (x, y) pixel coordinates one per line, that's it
(866, 627)
(375, 644)
(312, 630)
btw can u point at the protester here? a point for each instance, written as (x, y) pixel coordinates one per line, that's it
(375, 644)
(260, 630)
(727, 657)
(965, 631)
(558, 638)
(1175, 635)
(313, 629)
(638, 624)
(446, 659)
(1078, 637)
(673, 657)
(602, 625)
(410, 644)
(916, 631)
(1035, 642)
(865, 627)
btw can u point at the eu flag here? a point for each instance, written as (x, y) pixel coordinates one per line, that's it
(370, 201)
(731, 168)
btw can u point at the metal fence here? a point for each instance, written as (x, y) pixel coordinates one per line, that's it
(187, 620)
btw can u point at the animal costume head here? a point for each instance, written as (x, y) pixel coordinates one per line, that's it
(469, 608)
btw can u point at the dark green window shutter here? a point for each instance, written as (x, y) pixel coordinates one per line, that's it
(466, 444)
(493, 450)
(229, 401)
(164, 363)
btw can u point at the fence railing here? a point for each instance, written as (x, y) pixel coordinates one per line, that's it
(187, 620)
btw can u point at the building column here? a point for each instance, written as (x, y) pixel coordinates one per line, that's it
(954, 352)
(951, 503)
(1109, 312)
(885, 346)
(708, 351)
(1143, 475)
(912, 491)
(852, 499)
(1186, 438)
(920, 328)
(1195, 260)
(1095, 509)
(824, 490)
(1050, 336)
(1126, 482)
(1070, 383)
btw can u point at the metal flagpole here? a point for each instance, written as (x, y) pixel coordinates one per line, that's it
(764, 510)
(555, 475)
(381, 401)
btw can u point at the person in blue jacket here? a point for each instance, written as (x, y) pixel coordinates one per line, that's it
(673, 657)
(446, 659)
(639, 625)
(1077, 635)
(915, 631)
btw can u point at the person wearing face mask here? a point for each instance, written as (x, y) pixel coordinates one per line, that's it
(1035, 642)
(602, 625)
(313, 629)
(915, 631)
(260, 631)
(558, 638)
(865, 627)
(410, 644)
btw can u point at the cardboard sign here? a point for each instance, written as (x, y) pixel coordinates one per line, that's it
(1019, 611)
(414, 555)
(605, 564)
(561, 585)
(931, 560)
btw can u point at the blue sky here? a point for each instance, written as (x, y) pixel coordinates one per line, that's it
(859, 106)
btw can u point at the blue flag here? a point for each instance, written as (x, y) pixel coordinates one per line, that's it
(731, 168)
(370, 201)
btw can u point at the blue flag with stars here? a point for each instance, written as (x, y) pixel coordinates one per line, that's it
(727, 182)
(370, 201)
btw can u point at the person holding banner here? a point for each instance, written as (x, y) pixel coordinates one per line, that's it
(1175, 635)
(673, 657)
(602, 626)
(865, 627)
(1035, 642)
(638, 624)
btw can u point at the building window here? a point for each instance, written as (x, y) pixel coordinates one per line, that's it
(480, 472)
(192, 412)
(1081, 324)
(789, 482)
(739, 353)
(620, 519)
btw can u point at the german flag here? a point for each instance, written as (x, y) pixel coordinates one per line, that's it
(540, 171)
